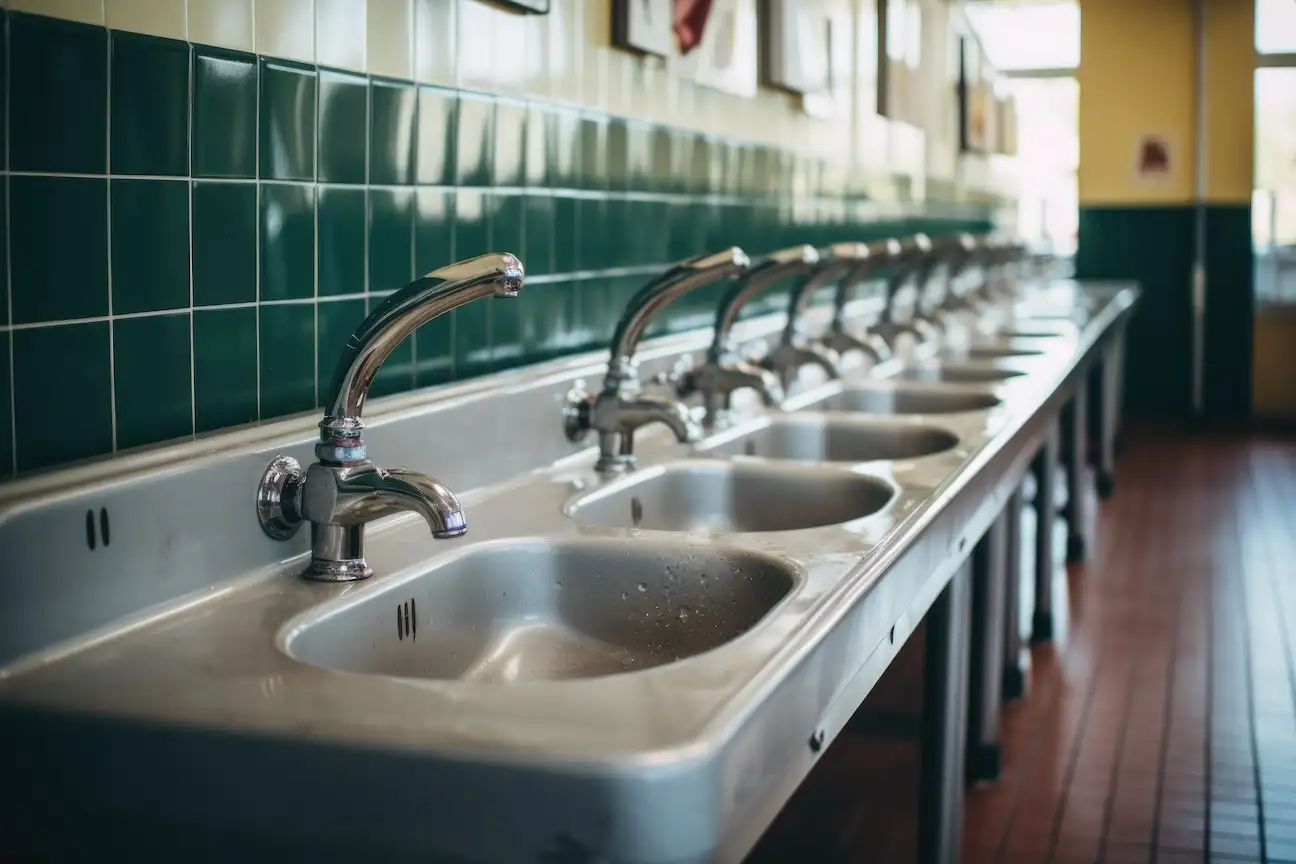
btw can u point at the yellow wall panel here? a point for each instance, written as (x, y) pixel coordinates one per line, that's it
(1230, 101)
(1137, 68)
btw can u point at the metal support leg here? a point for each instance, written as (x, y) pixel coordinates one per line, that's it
(1013, 685)
(944, 723)
(1075, 421)
(1109, 403)
(1045, 469)
(985, 673)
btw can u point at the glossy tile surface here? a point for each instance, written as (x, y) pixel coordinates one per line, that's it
(359, 146)
(1161, 728)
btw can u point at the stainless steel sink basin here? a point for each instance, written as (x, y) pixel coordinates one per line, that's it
(907, 399)
(956, 373)
(532, 610)
(724, 497)
(812, 438)
(989, 352)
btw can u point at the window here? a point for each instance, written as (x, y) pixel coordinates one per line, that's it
(1273, 213)
(1275, 26)
(1048, 154)
(1019, 36)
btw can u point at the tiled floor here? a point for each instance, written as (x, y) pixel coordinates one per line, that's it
(1161, 728)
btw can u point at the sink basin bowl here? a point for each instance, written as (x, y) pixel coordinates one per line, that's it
(956, 373)
(909, 399)
(989, 352)
(811, 438)
(547, 610)
(724, 497)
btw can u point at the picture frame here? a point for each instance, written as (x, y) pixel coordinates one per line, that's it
(530, 7)
(644, 26)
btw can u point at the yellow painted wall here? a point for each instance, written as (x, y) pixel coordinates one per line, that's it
(1137, 68)
(1230, 101)
(1138, 74)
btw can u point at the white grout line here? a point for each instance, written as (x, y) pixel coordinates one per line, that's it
(112, 358)
(8, 274)
(193, 367)
(256, 220)
(315, 209)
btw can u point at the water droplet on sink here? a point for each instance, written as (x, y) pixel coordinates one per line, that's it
(625, 596)
(684, 613)
(559, 584)
(642, 586)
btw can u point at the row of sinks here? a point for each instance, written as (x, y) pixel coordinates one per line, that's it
(540, 609)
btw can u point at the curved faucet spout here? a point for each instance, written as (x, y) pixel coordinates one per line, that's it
(879, 253)
(835, 262)
(777, 265)
(498, 274)
(660, 292)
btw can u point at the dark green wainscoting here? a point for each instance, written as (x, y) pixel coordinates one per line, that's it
(1153, 245)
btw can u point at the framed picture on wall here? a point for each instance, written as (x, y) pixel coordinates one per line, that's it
(795, 39)
(975, 114)
(644, 26)
(726, 56)
(531, 7)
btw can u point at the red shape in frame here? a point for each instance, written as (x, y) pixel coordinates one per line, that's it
(690, 21)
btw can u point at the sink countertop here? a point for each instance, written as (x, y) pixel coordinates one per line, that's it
(219, 661)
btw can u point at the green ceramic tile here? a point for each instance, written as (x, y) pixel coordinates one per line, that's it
(224, 243)
(287, 239)
(595, 233)
(4, 250)
(149, 106)
(6, 410)
(62, 394)
(536, 171)
(392, 107)
(473, 350)
(58, 95)
(433, 230)
(58, 248)
(566, 231)
(472, 223)
(397, 373)
(341, 245)
(639, 157)
(438, 136)
(391, 238)
(660, 147)
(654, 217)
(564, 148)
(287, 355)
(4, 115)
(225, 367)
(288, 92)
(153, 382)
(475, 140)
(224, 113)
(509, 159)
(150, 245)
(336, 322)
(507, 235)
(617, 149)
(593, 152)
(343, 122)
(474, 354)
(538, 246)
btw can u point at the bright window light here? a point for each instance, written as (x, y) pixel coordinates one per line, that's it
(1029, 35)
(1275, 26)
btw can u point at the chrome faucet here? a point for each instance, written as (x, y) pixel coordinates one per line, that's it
(343, 490)
(621, 407)
(913, 254)
(724, 371)
(839, 337)
(794, 349)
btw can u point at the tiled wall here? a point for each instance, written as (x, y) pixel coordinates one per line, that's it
(192, 231)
